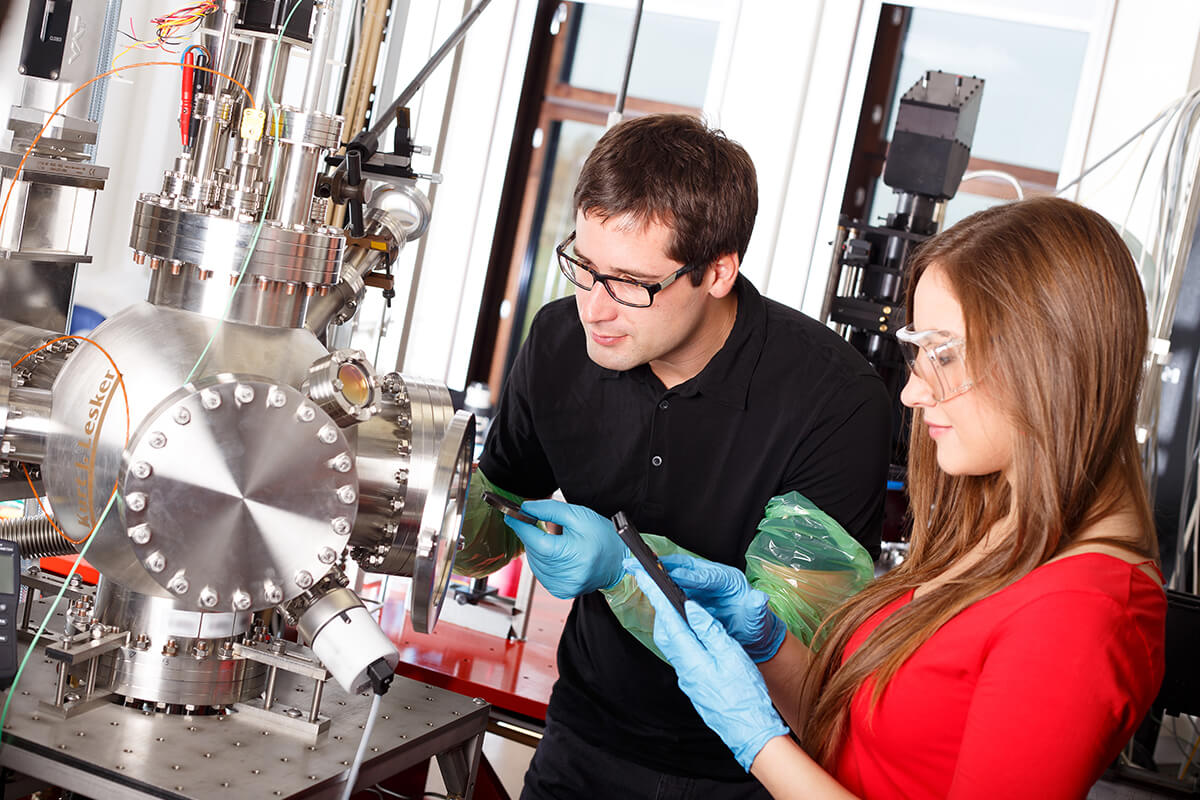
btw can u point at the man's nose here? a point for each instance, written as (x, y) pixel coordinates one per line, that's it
(597, 304)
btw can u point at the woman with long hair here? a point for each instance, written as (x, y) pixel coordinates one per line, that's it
(1016, 649)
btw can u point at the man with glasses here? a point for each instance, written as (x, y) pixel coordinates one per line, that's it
(670, 389)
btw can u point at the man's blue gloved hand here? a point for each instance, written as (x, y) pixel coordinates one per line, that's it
(585, 557)
(726, 594)
(714, 672)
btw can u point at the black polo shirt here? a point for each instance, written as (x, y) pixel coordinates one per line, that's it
(785, 405)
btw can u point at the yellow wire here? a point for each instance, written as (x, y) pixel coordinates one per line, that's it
(1183, 772)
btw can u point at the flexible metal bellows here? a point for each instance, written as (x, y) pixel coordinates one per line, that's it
(36, 537)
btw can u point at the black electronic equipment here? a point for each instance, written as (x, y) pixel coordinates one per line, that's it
(10, 593)
(45, 39)
(646, 557)
(510, 509)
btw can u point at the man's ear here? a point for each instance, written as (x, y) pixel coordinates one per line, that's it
(722, 274)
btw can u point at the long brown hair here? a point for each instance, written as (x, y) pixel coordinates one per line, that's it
(1055, 334)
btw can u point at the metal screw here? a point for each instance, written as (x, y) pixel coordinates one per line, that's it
(183, 416)
(141, 469)
(136, 501)
(272, 592)
(340, 525)
(210, 399)
(326, 555)
(156, 562)
(157, 440)
(241, 601)
(208, 597)
(179, 583)
(140, 533)
(303, 579)
(276, 398)
(244, 393)
(347, 494)
(306, 413)
(342, 463)
(327, 434)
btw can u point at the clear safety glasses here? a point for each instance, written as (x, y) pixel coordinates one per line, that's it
(938, 358)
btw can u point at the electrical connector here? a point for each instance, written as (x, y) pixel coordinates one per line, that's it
(381, 675)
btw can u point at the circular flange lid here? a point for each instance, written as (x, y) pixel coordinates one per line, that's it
(239, 493)
(441, 521)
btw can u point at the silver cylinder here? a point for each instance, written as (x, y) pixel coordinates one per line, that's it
(304, 139)
(252, 66)
(322, 36)
(341, 304)
(166, 669)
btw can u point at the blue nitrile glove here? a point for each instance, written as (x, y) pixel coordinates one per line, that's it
(585, 557)
(714, 672)
(726, 594)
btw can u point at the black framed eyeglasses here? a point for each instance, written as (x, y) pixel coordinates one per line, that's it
(626, 291)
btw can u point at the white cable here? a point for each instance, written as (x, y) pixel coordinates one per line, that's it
(362, 747)
(998, 175)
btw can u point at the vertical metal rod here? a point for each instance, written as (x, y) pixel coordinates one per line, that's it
(314, 78)
(269, 697)
(318, 690)
(91, 677)
(61, 691)
(619, 106)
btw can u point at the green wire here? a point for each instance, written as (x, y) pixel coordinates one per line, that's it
(50, 613)
(200, 360)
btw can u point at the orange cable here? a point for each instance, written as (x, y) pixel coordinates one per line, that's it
(124, 394)
(83, 86)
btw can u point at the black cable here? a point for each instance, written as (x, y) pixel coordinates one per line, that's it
(637, 22)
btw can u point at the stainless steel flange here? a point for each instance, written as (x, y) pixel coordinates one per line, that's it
(239, 493)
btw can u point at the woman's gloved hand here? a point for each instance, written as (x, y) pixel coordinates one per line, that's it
(585, 557)
(714, 672)
(727, 595)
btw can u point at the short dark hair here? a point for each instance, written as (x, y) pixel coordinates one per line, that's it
(673, 170)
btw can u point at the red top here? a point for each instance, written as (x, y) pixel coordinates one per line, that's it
(1031, 692)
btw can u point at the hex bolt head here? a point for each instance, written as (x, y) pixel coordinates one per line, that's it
(210, 399)
(306, 413)
(183, 416)
(326, 555)
(141, 469)
(303, 579)
(340, 525)
(179, 583)
(276, 398)
(272, 593)
(140, 533)
(156, 562)
(208, 597)
(327, 434)
(342, 462)
(244, 393)
(241, 601)
(135, 501)
(347, 494)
